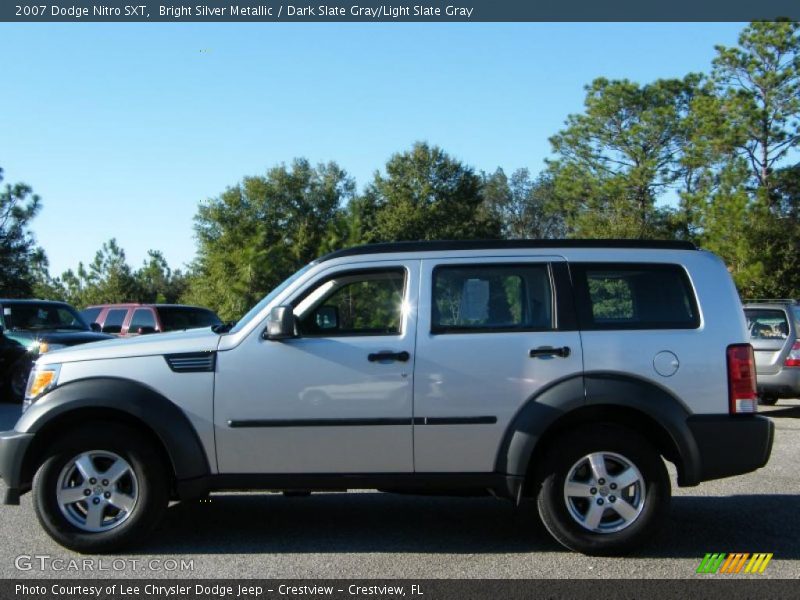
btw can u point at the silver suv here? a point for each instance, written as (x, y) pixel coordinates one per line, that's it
(563, 371)
(774, 327)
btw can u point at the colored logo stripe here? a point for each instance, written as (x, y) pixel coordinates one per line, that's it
(733, 563)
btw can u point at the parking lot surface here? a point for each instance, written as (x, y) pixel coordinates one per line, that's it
(375, 535)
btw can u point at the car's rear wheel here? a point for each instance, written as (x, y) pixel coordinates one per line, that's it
(101, 488)
(767, 400)
(605, 490)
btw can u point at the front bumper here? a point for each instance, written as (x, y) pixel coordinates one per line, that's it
(731, 445)
(13, 447)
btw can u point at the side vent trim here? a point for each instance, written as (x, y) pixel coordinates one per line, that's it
(192, 362)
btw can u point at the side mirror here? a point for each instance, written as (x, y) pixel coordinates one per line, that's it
(280, 324)
(145, 330)
(95, 327)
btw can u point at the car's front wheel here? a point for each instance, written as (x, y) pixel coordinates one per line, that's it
(101, 488)
(605, 490)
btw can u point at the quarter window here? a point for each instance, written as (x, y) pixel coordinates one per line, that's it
(474, 298)
(354, 303)
(634, 296)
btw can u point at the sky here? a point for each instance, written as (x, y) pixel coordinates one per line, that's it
(122, 129)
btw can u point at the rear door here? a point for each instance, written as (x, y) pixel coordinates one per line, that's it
(769, 334)
(489, 338)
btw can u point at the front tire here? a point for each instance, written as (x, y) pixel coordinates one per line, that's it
(101, 488)
(605, 490)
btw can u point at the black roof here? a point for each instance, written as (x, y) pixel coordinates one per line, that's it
(445, 245)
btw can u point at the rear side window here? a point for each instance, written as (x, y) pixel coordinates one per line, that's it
(142, 317)
(114, 319)
(765, 324)
(174, 318)
(634, 296)
(483, 298)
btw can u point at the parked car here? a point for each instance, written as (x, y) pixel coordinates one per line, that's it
(565, 371)
(29, 328)
(774, 327)
(138, 319)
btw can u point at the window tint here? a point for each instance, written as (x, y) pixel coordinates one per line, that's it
(767, 324)
(354, 303)
(90, 314)
(31, 316)
(114, 319)
(175, 318)
(142, 317)
(634, 296)
(491, 297)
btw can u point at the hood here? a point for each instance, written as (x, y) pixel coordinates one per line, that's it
(193, 340)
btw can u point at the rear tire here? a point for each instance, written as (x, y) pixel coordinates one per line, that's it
(605, 490)
(102, 487)
(768, 400)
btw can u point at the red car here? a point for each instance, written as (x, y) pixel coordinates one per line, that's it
(138, 319)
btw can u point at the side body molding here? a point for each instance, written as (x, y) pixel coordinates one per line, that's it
(144, 404)
(586, 398)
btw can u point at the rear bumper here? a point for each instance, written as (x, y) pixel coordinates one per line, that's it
(13, 446)
(731, 445)
(783, 384)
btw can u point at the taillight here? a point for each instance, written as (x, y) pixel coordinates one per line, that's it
(742, 394)
(793, 360)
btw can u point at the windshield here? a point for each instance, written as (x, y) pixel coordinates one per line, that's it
(269, 298)
(36, 317)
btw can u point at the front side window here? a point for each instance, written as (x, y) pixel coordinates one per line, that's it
(634, 296)
(32, 316)
(114, 320)
(354, 303)
(474, 298)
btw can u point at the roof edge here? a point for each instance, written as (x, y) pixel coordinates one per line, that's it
(444, 245)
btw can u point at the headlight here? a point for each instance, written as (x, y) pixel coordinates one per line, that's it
(47, 347)
(41, 380)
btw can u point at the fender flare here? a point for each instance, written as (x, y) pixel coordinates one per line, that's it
(598, 389)
(144, 404)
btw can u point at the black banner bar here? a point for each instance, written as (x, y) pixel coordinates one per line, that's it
(709, 588)
(339, 11)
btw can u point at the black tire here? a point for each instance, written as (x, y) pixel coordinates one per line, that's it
(768, 400)
(557, 514)
(152, 486)
(18, 381)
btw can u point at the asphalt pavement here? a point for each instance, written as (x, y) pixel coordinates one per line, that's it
(376, 535)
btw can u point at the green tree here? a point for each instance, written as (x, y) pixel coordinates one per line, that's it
(619, 157)
(424, 195)
(18, 251)
(758, 84)
(526, 208)
(156, 282)
(257, 233)
(108, 279)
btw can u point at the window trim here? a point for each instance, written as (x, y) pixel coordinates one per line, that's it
(346, 273)
(460, 330)
(583, 301)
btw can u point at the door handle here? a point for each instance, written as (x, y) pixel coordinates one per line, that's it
(382, 356)
(562, 352)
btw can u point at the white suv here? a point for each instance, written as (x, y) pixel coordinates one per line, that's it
(567, 371)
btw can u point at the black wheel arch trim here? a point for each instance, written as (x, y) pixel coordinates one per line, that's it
(581, 393)
(135, 400)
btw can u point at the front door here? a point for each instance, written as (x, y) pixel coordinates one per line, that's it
(338, 397)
